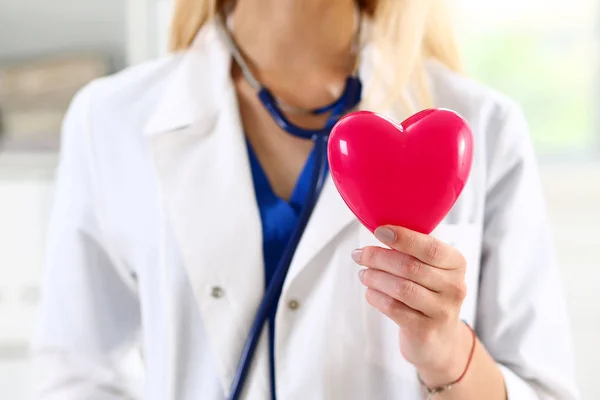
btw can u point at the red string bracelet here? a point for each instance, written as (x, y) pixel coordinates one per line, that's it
(440, 389)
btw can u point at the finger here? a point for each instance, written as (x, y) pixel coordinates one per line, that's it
(402, 265)
(400, 313)
(408, 292)
(424, 247)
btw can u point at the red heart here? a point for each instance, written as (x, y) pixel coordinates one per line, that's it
(408, 175)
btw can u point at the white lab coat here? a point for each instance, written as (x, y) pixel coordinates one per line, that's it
(155, 239)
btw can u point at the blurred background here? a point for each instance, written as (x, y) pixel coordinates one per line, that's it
(544, 53)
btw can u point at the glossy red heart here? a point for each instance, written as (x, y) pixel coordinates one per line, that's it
(408, 175)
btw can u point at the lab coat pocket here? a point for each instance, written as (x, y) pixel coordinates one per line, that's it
(381, 344)
(382, 334)
(466, 238)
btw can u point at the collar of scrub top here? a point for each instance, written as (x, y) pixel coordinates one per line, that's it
(348, 100)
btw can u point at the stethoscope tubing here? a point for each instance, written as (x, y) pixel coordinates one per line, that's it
(348, 100)
(274, 288)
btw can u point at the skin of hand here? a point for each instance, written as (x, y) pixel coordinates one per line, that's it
(419, 283)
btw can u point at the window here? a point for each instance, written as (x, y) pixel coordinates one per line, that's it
(544, 54)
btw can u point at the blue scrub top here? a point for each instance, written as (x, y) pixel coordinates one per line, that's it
(279, 218)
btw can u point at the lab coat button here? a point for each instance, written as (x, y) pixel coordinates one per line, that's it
(217, 292)
(293, 305)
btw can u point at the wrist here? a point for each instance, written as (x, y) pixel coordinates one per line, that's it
(455, 364)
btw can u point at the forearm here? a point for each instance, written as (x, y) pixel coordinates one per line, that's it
(482, 380)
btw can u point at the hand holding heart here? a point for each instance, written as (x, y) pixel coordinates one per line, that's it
(420, 284)
(410, 175)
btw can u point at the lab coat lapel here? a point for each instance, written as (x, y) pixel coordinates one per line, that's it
(330, 216)
(202, 164)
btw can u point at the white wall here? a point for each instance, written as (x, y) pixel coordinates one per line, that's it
(573, 196)
(148, 26)
(25, 198)
(33, 27)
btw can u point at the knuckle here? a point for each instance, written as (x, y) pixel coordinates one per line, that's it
(445, 314)
(405, 289)
(409, 241)
(370, 297)
(413, 267)
(385, 304)
(389, 306)
(435, 251)
(460, 291)
(369, 256)
(372, 256)
(367, 277)
(396, 263)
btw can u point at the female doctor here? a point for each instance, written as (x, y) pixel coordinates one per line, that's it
(179, 189)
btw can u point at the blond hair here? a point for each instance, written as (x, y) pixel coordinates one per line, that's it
(404, 34)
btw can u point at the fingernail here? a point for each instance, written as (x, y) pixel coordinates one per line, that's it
(361, 273)
(356, 255)
(385, 235)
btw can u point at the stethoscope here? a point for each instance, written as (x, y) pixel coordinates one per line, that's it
(349, 99)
